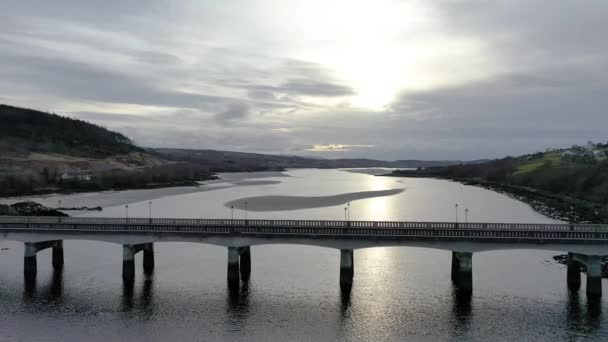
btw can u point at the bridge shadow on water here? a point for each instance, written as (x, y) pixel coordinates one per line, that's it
(462, 309)
(143, 303)
(50, 292)
(583, 316)
(345, 297)
(462, 306)
(238, 297)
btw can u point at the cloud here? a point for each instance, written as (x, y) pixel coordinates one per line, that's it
(456, 79)
(234, 111)
(335, 147)
(314, 88)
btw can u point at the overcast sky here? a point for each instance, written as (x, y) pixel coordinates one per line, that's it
(443, 79)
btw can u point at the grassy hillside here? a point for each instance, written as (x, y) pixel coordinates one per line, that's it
(25, 130)
(576, 185)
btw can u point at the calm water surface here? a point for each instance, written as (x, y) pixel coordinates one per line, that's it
(293, 293)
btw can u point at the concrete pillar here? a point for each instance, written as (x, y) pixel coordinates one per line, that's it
(462, 270)
(29, 258)
(574, 273)
(245, 263)
(30, 266)
(347, 266)
(128, 262)
(594, 276)
(233, 265)
(58, 255)
(148, 249)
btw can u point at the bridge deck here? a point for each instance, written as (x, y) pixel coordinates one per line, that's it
(474, 231)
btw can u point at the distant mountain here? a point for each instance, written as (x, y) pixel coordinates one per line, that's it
(42, 152)
(25, 130)
(221, 161)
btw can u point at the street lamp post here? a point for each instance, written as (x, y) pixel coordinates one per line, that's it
(456, 212)
(232, 212)
(345, 210)
(150, 210)
(348, 206)
(59, 207)
(127, 211)
(245, 210)
(466, 215)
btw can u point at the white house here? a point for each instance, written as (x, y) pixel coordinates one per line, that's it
(599, 153)
(77, 174)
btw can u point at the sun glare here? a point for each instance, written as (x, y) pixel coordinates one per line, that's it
(380, 50)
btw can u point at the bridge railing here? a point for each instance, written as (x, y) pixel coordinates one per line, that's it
(105, 221)
(423, 230)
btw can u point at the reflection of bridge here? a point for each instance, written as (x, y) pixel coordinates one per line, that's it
(585, 243)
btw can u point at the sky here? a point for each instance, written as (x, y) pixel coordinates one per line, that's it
(442, 79)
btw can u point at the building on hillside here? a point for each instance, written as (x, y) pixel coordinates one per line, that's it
(590, 146)
(77, 174)
(600, 154)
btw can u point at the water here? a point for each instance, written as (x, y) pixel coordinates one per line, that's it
(293, 293)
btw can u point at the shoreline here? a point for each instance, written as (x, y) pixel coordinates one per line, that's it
(539, 201)
(557, 207)
(118, 197)
(73, 191)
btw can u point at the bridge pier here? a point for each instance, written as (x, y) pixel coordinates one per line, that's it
(148, 250)
(245, 261)
(593, 264)
(594, 276)
(30, 264)
(233, 265)
(462, 271)
(574, 273)
(347, 268)
(128, 259)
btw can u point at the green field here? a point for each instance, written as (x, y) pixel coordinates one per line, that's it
(529, 166)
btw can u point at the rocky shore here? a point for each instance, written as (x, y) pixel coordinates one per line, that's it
(28, 208)
(563, 259)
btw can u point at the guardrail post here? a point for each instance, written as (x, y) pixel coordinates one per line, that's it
(245, 263)
(347, 268)
(462, 271)
(574, 273)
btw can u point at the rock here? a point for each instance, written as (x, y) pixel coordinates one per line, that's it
(7, 210)
(30, 208)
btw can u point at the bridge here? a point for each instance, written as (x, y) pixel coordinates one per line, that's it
(584, 243)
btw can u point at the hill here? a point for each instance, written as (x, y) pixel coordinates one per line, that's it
(225, 161)
(26, 130)
(571, 184)
(42, 152)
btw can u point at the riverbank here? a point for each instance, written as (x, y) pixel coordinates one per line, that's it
(555, 206)
(119, 197)
(93, 188)
(563, 259)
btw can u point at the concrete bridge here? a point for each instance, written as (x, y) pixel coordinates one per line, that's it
(584, 243)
